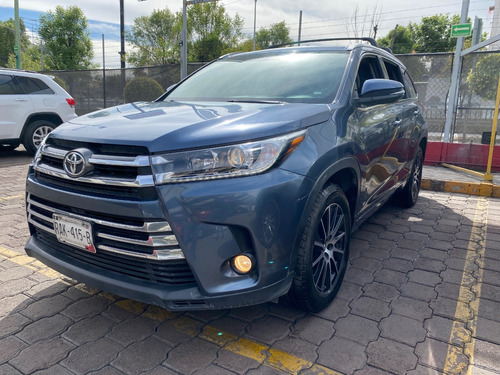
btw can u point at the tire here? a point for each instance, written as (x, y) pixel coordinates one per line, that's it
(35, 133)
(323, 252)
(409, 195)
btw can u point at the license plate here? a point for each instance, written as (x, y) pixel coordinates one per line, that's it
(74, 232)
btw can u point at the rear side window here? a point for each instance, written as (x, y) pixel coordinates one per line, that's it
(34, 86)
(369, 68)
(410, 87)
(8, 86)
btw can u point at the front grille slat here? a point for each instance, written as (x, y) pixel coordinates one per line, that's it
(113, 171)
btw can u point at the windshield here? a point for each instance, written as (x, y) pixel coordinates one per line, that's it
(299, 77)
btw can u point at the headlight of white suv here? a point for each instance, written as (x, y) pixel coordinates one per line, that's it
(222, 162)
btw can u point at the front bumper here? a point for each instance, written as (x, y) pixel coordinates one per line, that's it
(212, 221)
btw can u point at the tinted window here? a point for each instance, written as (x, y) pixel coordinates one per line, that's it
(34, 86)
(410, 87)
(8, 86)
(304, 77)
(369, 68)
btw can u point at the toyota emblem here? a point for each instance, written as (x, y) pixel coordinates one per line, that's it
(74, 164)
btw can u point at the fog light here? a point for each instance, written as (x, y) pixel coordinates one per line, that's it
(242, 264)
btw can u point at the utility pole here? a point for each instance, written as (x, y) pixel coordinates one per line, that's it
(394, 34)
(17, 45)
(254, 22)
(451, 106)
(300, 27)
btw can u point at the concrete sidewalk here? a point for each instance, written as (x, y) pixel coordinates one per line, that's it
(440, 178)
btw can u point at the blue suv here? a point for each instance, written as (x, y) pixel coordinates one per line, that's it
(241, 184)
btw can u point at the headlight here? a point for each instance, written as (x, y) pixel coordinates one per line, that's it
(222, 162)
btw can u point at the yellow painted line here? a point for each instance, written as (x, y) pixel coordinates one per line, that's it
(455, 362)
(12, 197)
(242, 346)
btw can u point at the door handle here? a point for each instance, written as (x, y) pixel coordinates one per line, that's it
(417, 112)
(21, 100)
(397, 122)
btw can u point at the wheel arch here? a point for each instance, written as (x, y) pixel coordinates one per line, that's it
(49, 116)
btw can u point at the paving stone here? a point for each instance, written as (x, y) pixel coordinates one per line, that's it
(264, 370)
(433, 254)
(491, 277)
(14, 287)
(233, 362)
(349, 291)
(418, 291)
(179, 330)
(15, 273)
(493, 265)
(400, 265)
(358, 276)
(383, 292)
(41, 355)
(411, 308)
(481, 371)
(489, 310)
(445, 237)
(230, 324)
(369, 370)
(356, 328)
(367, 264)
(391, 356)
(54, 370)
(47, 288)
(409, 244)
(433, 353)
(89, 329)
(142, 356)
(422, 370)
(491, 292)
(452, 291)
(415, 236)
(250, 313)
(298, 348)
(207, 315)
(268, 329)
(339, 307)
(487, 355)
(117, 313)
(12, 324)
(161, 370)
(440, 328)
(132, 330)
(9, 348)
(342, 355)
(314, 330)
(44, 328)
(6, 369)
(46, 307)
(92, 356)
(402, 329)
(429, 265)
(86, 308)
(285, 312)
(370, 308)
(200, 353)
(424, 277)
(390, 277)
(405, 254)
(447, 307)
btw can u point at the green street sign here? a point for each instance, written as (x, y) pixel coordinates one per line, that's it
(463, 29)
(16, 49)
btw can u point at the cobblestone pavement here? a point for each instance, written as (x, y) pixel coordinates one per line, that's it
(421, 296)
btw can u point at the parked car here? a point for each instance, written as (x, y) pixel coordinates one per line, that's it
(31, 106)
(241, 184)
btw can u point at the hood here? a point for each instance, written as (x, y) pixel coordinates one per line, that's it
(168, 126)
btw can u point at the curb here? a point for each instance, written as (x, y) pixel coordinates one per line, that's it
(482, 189)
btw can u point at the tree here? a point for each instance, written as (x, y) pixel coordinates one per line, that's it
(30, 57)
(156, 38)
(403, 41)
(484, 77)
(67, 39)
(433, 34)
(213, 32)
(8, 40)
(277, 34)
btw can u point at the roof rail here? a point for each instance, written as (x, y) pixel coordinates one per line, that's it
(366, 39)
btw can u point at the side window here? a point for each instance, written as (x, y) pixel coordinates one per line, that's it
(393, 71)
(369, 68)
(8, 85)
(409, 85)
(34, 86)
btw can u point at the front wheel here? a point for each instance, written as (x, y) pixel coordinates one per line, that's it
(35, 133)
(323, 252)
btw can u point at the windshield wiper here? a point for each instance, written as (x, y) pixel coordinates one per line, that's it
(255, 101)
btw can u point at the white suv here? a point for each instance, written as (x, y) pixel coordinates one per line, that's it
(31, 106)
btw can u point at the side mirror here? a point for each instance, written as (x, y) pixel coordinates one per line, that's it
(379, 91)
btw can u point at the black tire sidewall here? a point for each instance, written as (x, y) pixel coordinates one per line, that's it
(30, 130)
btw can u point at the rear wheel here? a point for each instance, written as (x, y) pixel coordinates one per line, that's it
(409, 195)
(323, 252)
(35, 133)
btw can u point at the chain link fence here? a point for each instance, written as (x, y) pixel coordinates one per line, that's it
(477, 92)
(96, 89)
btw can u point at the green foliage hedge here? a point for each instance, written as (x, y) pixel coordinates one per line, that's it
(142, 89)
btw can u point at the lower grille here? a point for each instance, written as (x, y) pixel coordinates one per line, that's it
(172, 272)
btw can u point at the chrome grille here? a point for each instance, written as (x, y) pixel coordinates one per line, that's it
(148, 240)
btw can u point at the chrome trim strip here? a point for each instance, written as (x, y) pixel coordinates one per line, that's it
(157, 254)
(122, 161)
(41, 226)
(140, 181)
(153, 227)
(53, 152)
(153, 241)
